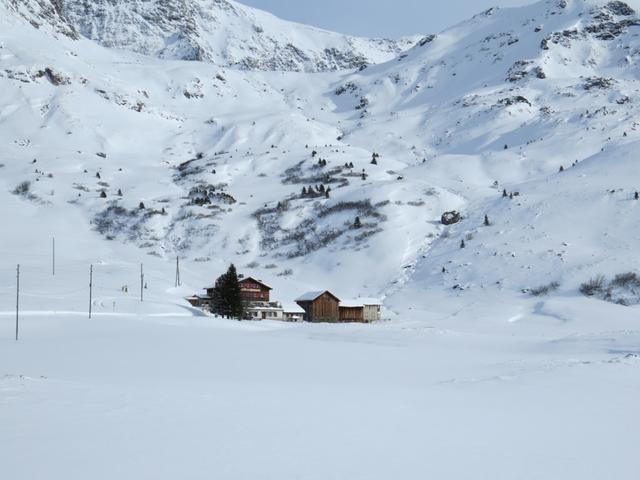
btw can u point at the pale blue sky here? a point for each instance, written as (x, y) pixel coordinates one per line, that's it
(379, 18)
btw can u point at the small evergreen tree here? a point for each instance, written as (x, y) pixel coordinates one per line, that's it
(103, 194)
(217, 296)
(97, 174)
(561, 168)
(504, 193)
(119, 192)
(462, 244)
(506, 147)
(357, 223)
(141, 206)
(225, 299)
(486, 221)
(374, 161)
(637, 196)
(304, 191)
(231, 291)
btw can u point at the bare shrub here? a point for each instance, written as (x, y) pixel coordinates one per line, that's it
(626, 280)
(23, 188)
(543, 290)
(594, 286)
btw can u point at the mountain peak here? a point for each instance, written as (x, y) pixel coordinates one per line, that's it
(223, 32)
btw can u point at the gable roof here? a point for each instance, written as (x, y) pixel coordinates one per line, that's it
(312, 296)
(247, 279)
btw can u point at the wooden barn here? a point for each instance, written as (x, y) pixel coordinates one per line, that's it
(252, 290)
(361, 310)
(320, 306)
(352, 313)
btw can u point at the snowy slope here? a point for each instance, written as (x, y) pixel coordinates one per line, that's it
(225, 33)
(219, 157)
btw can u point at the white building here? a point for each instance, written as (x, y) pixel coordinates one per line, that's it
(293, 312)
(265, 311)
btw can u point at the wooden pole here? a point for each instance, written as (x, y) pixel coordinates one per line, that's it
(141, 282)
(90, 289)
(17, 300)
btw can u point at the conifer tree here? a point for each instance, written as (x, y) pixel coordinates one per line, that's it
(357, 223)
(232, 293)
(225, 299)
(637, 196)
(486, 221)
(462, 244)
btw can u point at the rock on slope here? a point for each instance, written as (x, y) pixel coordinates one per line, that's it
(223, 32)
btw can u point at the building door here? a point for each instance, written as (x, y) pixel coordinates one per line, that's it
(264, 315)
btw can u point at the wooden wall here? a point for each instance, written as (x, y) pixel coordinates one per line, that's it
(326, 309)
(352, 314)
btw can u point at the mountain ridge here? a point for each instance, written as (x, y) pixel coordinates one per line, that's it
(225, 33)
(270, 169)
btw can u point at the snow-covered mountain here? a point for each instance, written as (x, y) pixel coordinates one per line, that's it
(210, 162)
(223, 32)
(525, 121)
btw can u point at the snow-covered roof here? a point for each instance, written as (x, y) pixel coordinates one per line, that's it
(258, 308)
(293, 308)
(311, 296)
(360, 302)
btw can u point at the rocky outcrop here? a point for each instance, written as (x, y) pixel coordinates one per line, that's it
(225, 33)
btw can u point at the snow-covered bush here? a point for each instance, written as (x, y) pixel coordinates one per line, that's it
(594, 286)
(543, 290)
(624, 289)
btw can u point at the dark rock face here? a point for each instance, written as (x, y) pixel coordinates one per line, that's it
(620, 8)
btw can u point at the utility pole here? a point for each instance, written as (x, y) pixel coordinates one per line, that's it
(177, 271)
(17, 300)
(90, 288)
(141, 282)
(53, 255)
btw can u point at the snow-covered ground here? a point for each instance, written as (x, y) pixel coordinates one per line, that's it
(521, 390)
(468, 376)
